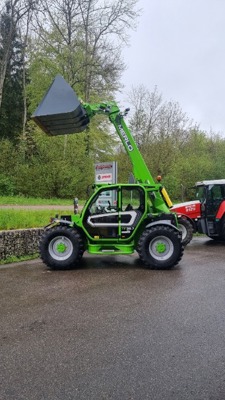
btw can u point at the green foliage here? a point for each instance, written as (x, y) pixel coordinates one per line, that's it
(196, 162)
(11, 111)
(60, 169)
(124, 165)
(8, 153)
(6, 186)
(55, 166)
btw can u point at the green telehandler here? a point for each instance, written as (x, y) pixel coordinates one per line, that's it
(138, 219)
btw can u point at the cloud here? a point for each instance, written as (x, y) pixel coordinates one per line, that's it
(179, 46)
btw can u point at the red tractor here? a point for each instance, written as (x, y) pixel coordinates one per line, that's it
(204, 215)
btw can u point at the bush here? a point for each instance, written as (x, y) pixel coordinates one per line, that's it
(6, 186)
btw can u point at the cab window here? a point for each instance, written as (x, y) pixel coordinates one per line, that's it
(201, 193)
(132, 199)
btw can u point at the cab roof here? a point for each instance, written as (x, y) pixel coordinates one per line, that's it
(211, 182)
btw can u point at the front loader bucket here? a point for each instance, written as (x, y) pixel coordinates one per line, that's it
(60, 112)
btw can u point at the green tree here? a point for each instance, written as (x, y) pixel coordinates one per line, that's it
(11, 16)
(11, 111)
(195, 163)
(84, 38)
(159, 127)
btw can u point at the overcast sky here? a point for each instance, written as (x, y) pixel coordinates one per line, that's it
(179, 46)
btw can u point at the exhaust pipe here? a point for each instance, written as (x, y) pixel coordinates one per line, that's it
(60, 112)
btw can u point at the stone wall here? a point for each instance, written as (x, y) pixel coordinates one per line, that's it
(19, 242)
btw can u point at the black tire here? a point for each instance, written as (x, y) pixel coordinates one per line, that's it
(221, 234)
(61, 247)
(217, 238)
(186, 229)
(160, 247)
(222, 229)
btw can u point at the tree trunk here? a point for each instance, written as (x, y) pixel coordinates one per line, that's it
(3, 67)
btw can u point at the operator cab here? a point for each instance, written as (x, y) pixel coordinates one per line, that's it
(114, 212)
(210, 193)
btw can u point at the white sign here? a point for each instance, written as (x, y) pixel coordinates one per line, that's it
(106, 173)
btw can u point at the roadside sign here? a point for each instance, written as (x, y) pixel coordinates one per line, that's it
(106, 173)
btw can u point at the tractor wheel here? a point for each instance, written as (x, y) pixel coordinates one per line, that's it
(217, 238)
(186, 229)
(61, 247)
(221, 236)
(160, 247)
(222, 225)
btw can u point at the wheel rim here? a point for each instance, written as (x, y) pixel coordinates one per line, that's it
(161, 248)
(60, 248)
(183, 231)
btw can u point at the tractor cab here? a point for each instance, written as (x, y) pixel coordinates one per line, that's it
(211, 194)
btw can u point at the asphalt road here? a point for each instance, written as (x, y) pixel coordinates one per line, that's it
(112, 329)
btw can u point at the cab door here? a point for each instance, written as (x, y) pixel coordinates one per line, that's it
(215, 196)
(101, 218)
(132, 209)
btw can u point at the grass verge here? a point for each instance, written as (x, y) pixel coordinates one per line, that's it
(26, 201)
(24, 219)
